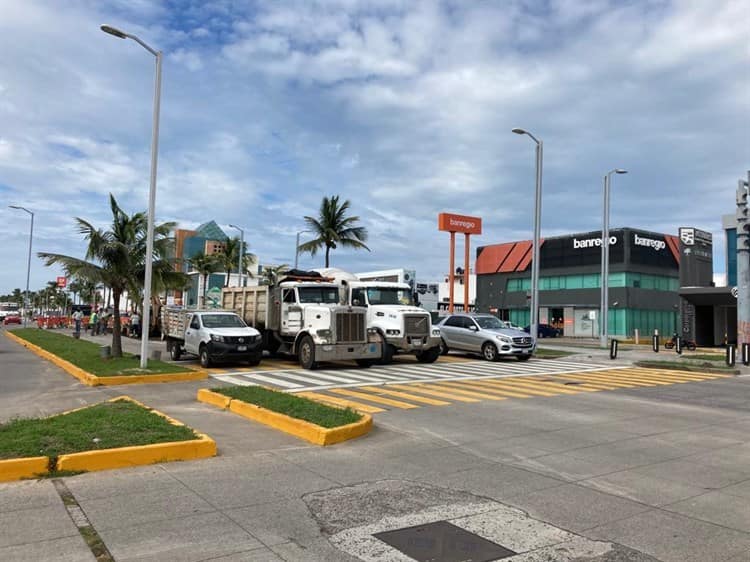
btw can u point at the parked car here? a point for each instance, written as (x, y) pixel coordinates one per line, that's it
(484, 334)
(545, 331)
(12, 319)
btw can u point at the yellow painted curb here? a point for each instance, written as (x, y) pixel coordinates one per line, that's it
(299, 428)
(93, 380)
(18, 469)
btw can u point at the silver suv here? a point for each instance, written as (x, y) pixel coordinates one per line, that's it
(485, 334)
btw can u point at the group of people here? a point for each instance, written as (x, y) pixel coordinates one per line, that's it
(99, 319)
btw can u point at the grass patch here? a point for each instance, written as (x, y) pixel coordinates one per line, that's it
(292, 406)
(103, 426)
(688, 366)
(551, 353)
(85, 354)
(705, 357)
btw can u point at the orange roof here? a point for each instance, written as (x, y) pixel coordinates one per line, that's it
(674, 246)
(505, 258)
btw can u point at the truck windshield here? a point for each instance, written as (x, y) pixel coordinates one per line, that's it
(319, 295)
(489, 322)
(389, 295)
(222, 321)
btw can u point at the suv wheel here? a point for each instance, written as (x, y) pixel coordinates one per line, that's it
(489, 351)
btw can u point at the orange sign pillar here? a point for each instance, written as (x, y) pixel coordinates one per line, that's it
(468, 225)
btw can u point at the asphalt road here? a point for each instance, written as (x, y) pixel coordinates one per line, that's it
(631, 472)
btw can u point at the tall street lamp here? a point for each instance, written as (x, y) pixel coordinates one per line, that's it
(534, 323)
(28, 265)
(605, 259)
(296, 248)
(152, 190)
(241, 253)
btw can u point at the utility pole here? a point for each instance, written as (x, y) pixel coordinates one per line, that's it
(743, 263)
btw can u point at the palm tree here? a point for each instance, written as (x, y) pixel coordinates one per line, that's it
(271, 273)
(229, 257)
(333, 227)
(113, 257)
(205, 265)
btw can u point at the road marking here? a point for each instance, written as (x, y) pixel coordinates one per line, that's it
(234, 379)
(528, 389)
(542, 385)
(485, 386)
(276, 381)
(404, 395)
(469, 393)
(371, 398)
(429, 392)
(366, 408)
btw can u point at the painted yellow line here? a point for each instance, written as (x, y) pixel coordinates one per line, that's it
(366, 408)
(430, 392)
(371, 398)
(453, 359)
(597, 385)
(404, 395)
(470, 393)
(520, 388)
(543, 385)
(593, 386)
(481, 386)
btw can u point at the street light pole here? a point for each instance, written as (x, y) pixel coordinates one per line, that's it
(534, 316)
(152, 190)
(241, 253)
(296, 248)
(28, 265)
(604, 307)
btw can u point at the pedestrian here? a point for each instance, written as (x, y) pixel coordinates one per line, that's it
(103, 318)
(77, 316)
(135, 325)
(94, 322)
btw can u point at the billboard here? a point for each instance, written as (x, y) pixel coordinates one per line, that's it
(459, 223)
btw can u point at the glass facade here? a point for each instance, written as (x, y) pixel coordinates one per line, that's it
(731, 257)
(592, 281)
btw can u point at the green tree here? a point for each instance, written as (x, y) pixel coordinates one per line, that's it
(205, 265)
(271, 273)
(114, 257)
(333, 227)
(229, 257)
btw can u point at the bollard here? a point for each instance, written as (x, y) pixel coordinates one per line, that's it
(678, 345)
(105, 351)
(655, 343)
(730, 355)
(746, 354)
(613, 345)
(637, 336)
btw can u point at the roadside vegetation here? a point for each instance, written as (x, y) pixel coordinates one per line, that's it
(103, 426)
(291, 405)
(85, 355)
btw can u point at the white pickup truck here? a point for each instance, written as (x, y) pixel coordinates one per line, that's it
(213, 335)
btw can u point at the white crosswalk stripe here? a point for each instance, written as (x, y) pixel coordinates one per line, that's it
(296, 380)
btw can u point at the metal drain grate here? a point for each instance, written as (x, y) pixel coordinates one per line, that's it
(443, 542)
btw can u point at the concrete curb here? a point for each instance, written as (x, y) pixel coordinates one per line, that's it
(93, 380)
(299, 428)
(106, 459)
(20, 469)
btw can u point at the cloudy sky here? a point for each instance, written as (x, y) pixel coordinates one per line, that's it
(404, 107)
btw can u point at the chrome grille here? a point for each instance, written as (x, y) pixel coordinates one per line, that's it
(240, 339)
(417, 325)
(350, 327)
(522, 341)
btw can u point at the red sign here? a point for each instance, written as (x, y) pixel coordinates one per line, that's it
(459, 223)
(62, 282)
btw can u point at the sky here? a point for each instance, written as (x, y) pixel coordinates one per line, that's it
(403, 107)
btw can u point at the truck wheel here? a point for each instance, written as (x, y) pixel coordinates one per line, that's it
(365, 363)
(253, 362)
(205, 357)
(175, 352)
(489, 351)
(388, 352)
(306, 353)
(428, 356)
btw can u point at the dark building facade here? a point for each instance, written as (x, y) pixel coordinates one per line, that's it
(643, 282)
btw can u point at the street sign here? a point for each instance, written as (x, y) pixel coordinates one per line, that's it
(213, 297)
(62, 282)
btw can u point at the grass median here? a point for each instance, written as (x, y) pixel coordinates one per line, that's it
(107, 425)
(86, 355)
(291, 405)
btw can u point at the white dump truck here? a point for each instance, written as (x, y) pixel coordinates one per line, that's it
(401, 326)
(301, 315)
(213, 335)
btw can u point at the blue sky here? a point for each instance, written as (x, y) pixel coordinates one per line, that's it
(403, 107)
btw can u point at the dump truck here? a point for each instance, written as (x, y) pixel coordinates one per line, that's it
(301, 315)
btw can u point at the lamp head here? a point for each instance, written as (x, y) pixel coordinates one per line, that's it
(113, 31)
(620, 171)
(14, 206)
(518, 131)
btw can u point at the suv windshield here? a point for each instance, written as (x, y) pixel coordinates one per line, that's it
(319, 295)
(222, 321)
(489, 322)
(389, 295)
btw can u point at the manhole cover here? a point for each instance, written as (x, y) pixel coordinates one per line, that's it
(443, 542)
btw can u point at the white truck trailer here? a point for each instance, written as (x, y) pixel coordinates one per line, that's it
(213, 335)
(302, 316)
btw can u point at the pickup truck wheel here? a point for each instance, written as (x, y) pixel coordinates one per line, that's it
(306, 353)
(204, 357)
(429, 355)
(175, 352)
(489, 351)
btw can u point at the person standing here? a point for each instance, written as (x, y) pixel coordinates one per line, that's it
(77, 316)
(94, 322)
(135, 325)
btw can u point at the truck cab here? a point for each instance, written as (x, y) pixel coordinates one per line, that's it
(402, 326)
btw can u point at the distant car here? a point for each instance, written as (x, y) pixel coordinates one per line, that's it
(12, 319)
(545, 331)
(484, 334)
